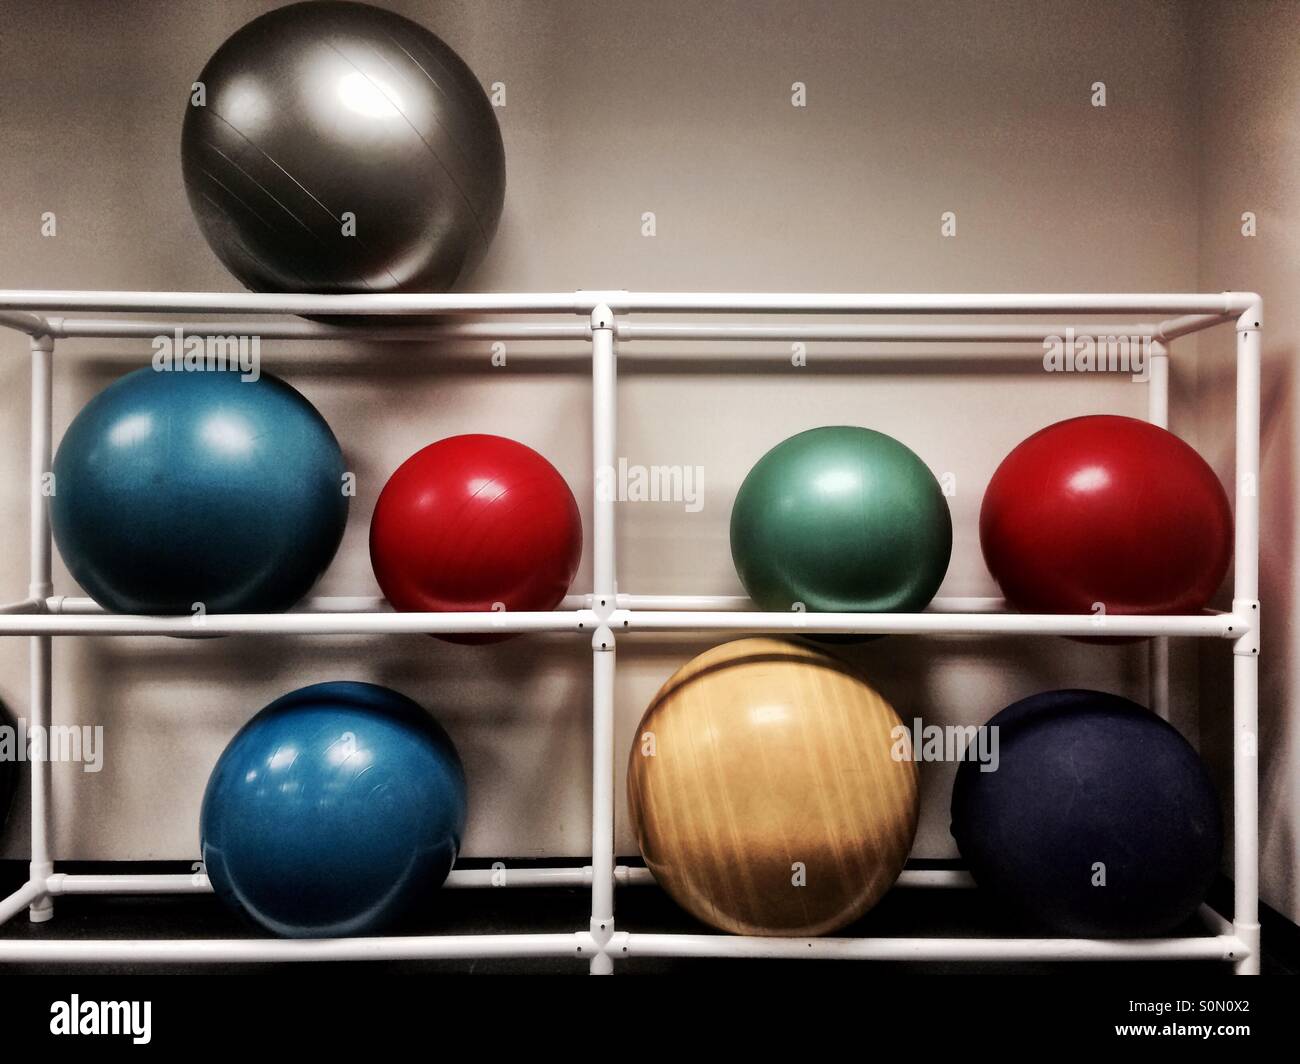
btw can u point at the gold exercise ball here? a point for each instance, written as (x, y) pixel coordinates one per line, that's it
(764, 790)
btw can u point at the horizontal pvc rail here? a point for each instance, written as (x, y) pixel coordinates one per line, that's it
(583, 303)
(297, 623)
(459, 879)
(75, 605)
(330, 623)
(308, 331)
(1016, 333)
(581, 945)
(742, 602)
(81, 606)
(106, 329)
(1217, 948)
(1221, 626)
(185, 951)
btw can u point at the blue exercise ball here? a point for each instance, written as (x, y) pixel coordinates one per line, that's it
(184, 487)
(1098, 818)
(334, 811)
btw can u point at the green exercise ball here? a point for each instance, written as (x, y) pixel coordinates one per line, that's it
(842, 520)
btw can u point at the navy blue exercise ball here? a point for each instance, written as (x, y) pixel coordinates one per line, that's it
(334, 811)
(184, 487)
(8, 769)
(1099, 819)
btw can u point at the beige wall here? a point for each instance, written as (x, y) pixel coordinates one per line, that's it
(615, 109)
(1248, 83)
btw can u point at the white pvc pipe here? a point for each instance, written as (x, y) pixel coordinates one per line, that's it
(1214, 921)
(39, 462)
(1158, 414)
(1220, 948)
(31, 324)
(203, 303)
(684, 602)
(235, 951)
(494, 878)
(916, 303)
(40, 647)
(1246, 574)
(1158, 385)
(604, 407)
(1203, 625)
(504, 876)
(1191, 323)
(75, 606)
(297, 623)
(1211, 625)
(734, 603)
(602, 814)
(70, 605)
(1158, 675)
(1245, 701)
(1245, 807)
(21, 899)
(1015, 333)
(604, 413)
(314, 331)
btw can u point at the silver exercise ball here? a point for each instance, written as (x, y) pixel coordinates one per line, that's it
(343, 148)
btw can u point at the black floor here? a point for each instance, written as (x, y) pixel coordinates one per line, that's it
(912, 912)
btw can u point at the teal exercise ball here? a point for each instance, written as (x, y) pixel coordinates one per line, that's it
(337, 810)
(841, 520)
(180, 489)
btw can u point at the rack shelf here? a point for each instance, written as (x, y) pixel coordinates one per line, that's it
(606, 615)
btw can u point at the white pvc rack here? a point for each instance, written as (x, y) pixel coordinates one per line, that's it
(605, 615)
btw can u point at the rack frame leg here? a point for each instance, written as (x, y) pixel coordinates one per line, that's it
(604, 409)
(41, 909)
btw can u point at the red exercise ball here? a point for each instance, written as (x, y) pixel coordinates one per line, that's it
(1110, 510)
(475, 523)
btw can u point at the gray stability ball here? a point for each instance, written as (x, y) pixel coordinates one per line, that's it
(342, 148)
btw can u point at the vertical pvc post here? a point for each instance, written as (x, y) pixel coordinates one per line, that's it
(39, 589)
(1158, 414)
(1245, 687)
(604, 410)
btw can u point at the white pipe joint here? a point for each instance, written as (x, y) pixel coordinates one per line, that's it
(41, 910)
(602, 638)
(1244, 952)
(1245, 619)
(1251, 318)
